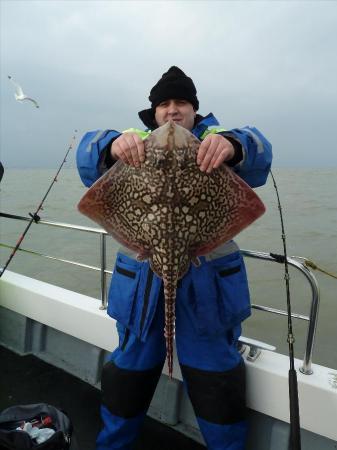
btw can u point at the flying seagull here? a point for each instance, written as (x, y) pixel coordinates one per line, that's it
(19, 95)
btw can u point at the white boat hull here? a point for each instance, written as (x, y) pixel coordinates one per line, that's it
(80, 316)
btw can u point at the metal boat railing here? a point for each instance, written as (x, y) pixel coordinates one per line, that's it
(292, 261)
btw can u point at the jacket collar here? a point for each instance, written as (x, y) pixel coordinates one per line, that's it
(200, 125)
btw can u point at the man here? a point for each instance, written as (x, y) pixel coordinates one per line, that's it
(212, 299)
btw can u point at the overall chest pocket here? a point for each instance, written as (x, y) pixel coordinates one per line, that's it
(232, 288)
(123, 289)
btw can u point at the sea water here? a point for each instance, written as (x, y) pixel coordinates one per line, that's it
(309, 206)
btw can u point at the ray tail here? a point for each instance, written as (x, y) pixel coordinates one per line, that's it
(170, 285)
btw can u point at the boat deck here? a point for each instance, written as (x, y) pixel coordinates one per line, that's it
(27, 379)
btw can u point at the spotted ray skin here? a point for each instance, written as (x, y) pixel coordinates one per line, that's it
(170, 212)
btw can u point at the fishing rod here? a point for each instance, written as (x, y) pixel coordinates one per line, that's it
(35, 217)
(295, 431)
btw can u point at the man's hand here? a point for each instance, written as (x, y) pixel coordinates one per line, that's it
(213, 151)
(129, 148)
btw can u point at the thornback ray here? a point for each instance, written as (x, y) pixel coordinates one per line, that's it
(168, 211)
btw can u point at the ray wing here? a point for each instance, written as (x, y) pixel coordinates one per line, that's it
(108, 203)
(237, 206)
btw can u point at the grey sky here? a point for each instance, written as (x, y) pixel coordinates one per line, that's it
(91, 64)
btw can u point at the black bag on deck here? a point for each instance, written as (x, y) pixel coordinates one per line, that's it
(40, 415)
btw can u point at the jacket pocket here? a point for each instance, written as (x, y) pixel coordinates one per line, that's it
(232, 287)
(123, 289)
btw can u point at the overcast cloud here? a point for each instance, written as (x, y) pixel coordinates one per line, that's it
(91, 64)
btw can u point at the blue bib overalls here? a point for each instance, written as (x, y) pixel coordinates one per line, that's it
(212, 300)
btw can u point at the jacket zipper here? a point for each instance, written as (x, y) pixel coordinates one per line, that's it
(126, 339)
(146, 299)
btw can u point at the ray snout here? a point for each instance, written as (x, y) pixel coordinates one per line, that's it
(171, 132)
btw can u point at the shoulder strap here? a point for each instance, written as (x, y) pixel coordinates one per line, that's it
(142, 134)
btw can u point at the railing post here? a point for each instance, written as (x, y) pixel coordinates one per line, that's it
(103, 268)
(315, 299)
(306, 367)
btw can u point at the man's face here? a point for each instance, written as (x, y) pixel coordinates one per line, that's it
(180, 111)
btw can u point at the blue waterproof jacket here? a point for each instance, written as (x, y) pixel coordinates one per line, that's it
(218, 289)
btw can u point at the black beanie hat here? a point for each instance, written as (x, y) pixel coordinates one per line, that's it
(173, 84)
